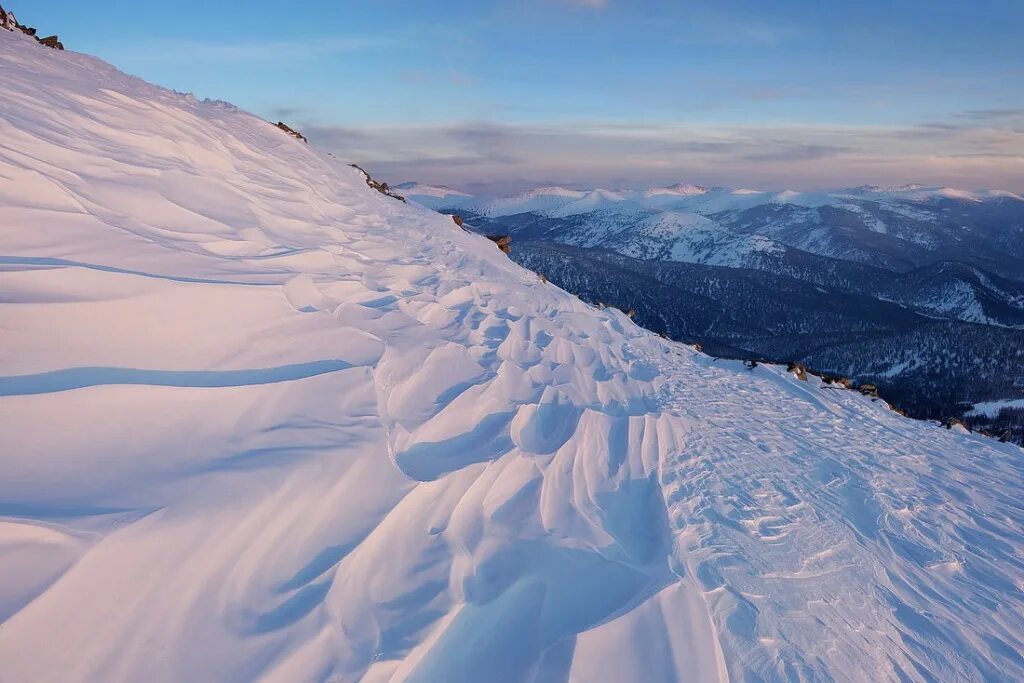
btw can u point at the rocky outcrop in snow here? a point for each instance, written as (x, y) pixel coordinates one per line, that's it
(291, 131)
(9, 22)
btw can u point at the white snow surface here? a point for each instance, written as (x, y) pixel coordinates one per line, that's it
(992, 409)
(262, 423)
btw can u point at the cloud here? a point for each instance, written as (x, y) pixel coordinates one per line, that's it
(798, 156)
(786, 152)
(993, 114)
(287, 112)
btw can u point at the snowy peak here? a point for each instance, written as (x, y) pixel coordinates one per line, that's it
(922, 193)
(679, 189)
(696, 197)
(687, 189)
(595, 200)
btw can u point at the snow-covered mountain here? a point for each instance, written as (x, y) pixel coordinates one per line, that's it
(263, 422)
(907, 226)
(944, 256)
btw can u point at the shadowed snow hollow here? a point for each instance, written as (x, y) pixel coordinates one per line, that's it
(261, 422)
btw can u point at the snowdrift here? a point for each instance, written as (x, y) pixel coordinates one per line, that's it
(261, 422)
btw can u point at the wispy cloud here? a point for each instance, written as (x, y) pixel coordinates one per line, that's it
(994, 114)
(800, 156)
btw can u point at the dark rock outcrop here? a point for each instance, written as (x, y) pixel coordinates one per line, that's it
(383, 188)
(10, 23)
(291, 131)
(51, 41)
(7, 20)
(798, 370)
(868, 390)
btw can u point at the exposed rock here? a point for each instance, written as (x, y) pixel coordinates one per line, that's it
(9, 22)
(868, 390)
(953, 422)
(51, 41)
(383, 188)
(504, 242)
(291, 131)
(798, 370)
(750, 364)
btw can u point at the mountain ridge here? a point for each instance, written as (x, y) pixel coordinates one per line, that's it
(942, 254)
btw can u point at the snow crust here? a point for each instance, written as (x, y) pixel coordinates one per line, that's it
(261, 422)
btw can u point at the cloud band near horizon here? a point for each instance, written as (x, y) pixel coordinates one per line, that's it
(980, 148)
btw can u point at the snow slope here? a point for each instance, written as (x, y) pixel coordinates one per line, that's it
(261, 422)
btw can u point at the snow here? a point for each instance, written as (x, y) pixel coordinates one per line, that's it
(540, 200)
(596, 200)
(562, 202)
(261, 422)
(920, 193)
(677, 190)
(992, 409)
(957, 298)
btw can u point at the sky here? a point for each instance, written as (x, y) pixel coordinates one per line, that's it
(500, 96)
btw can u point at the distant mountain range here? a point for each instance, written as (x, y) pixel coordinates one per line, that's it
(919, 290)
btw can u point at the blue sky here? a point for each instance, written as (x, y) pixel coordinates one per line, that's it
(792, 93)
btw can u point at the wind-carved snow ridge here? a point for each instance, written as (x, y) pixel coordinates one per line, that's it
(263, 423)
